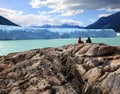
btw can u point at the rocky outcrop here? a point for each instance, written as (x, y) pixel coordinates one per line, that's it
(72, 69)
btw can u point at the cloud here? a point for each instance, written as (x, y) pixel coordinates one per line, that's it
(73, 7)
(71, 12)
(19, 18)
(103, 15)
(58, 6)
(113, 10)
(110, 9)
(92, 20)
(71, 22)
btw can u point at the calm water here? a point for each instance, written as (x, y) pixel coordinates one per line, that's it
(22, 45)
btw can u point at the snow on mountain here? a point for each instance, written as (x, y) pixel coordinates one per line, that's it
(14, 32)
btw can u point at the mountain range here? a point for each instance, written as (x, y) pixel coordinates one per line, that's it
(59, 26)
(5, 21)
(109, 22)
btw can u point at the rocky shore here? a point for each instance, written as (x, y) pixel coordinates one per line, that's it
(72, 69)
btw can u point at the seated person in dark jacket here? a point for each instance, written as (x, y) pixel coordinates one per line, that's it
(88, 40)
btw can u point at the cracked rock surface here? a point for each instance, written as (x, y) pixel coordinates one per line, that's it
(72, 69)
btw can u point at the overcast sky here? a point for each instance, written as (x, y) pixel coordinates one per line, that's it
(55, 12)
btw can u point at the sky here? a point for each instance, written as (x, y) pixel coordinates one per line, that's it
(56, 12)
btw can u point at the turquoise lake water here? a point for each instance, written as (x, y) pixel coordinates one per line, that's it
(9, 46)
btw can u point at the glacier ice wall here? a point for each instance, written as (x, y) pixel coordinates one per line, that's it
(14, 32)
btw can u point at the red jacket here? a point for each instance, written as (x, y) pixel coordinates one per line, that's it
(79, 40)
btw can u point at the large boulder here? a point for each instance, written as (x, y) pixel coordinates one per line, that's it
(72, 69)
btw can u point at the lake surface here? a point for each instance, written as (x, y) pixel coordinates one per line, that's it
(9, 46)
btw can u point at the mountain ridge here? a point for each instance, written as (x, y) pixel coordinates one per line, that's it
(109, 22)
(58, 26)
(5, 21)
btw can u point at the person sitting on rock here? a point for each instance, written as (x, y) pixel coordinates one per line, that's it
(88, 40)
(79, 40)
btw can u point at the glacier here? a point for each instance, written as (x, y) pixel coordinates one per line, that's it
(16, 33)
